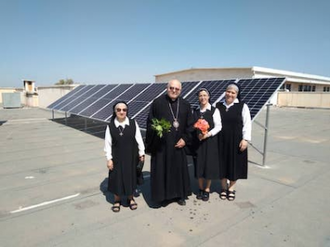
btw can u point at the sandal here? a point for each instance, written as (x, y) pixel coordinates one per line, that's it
(116, 208)
(231, 195)
(200, 194)
(223, 195)
(132, 206)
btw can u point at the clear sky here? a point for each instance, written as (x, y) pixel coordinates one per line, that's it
(125, 41)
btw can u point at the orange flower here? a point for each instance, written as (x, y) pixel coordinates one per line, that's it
(202, 125)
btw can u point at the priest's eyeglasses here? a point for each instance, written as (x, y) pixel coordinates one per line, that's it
(175, 88)
(119, 110)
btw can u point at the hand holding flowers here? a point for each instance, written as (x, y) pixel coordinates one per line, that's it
(203, 126)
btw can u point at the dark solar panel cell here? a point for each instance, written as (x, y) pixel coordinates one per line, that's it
(135, 106)
(66, 97)
(104, 91)
(117, 91)
(88, 99)
(103, 97)
(187, 86)
(141, 118)
(216, 89)
(133, 91)
(151, 92)
(104, 113)
(76, 96)
(95, 107)
(257, 92)
(88, 102)
(81, 98)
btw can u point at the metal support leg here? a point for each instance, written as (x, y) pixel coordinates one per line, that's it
(266, 136)
(53, 115)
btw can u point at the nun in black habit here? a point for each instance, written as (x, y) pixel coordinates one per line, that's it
(124, 147)
(206, 145)
(233, 139)
(169, 169)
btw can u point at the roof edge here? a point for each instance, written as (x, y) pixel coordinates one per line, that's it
(224, 68)
(289, 73)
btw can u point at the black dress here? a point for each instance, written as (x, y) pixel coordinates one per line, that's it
(207, 151)
(122, 179)
(169, 169)
(233, 163)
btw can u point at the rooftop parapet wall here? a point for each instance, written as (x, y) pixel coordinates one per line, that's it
(304, 99)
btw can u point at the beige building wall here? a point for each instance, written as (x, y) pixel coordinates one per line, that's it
(48, 95)
(205, 74)
(304, 99)
(31, 100)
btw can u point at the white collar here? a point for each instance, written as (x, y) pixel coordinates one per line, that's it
(125, 122)
(235, 101)
(208, 107)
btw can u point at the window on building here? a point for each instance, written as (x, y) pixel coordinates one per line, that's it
(288, 87)
(306, 88)
(326, 89)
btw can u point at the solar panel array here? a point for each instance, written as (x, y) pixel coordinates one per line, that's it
(96, 101)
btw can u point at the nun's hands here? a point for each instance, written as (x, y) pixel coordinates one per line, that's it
(243, 145)
(110, 165)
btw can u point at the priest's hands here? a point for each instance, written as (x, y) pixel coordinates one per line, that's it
(110, 165)
(180, 144)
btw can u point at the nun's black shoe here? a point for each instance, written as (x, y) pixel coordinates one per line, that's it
(182, 202)
(206, 196)
(200, 195)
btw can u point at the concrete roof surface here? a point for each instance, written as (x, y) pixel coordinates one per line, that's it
(53, 180)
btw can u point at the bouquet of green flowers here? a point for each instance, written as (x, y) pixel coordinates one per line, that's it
(161, 126)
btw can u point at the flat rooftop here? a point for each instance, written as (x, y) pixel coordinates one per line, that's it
(53, 180)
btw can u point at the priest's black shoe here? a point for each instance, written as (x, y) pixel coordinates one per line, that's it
(182, 202)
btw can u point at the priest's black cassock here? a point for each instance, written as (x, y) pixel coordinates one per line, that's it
(169, 168)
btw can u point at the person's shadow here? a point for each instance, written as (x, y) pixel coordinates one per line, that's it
(141, 190)
(144, 189)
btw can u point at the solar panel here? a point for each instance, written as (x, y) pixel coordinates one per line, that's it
(66, 97)
(257, 92)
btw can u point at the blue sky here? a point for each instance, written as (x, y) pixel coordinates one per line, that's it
(108, 41)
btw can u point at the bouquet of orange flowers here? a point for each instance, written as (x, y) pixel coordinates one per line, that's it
(202, 125)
